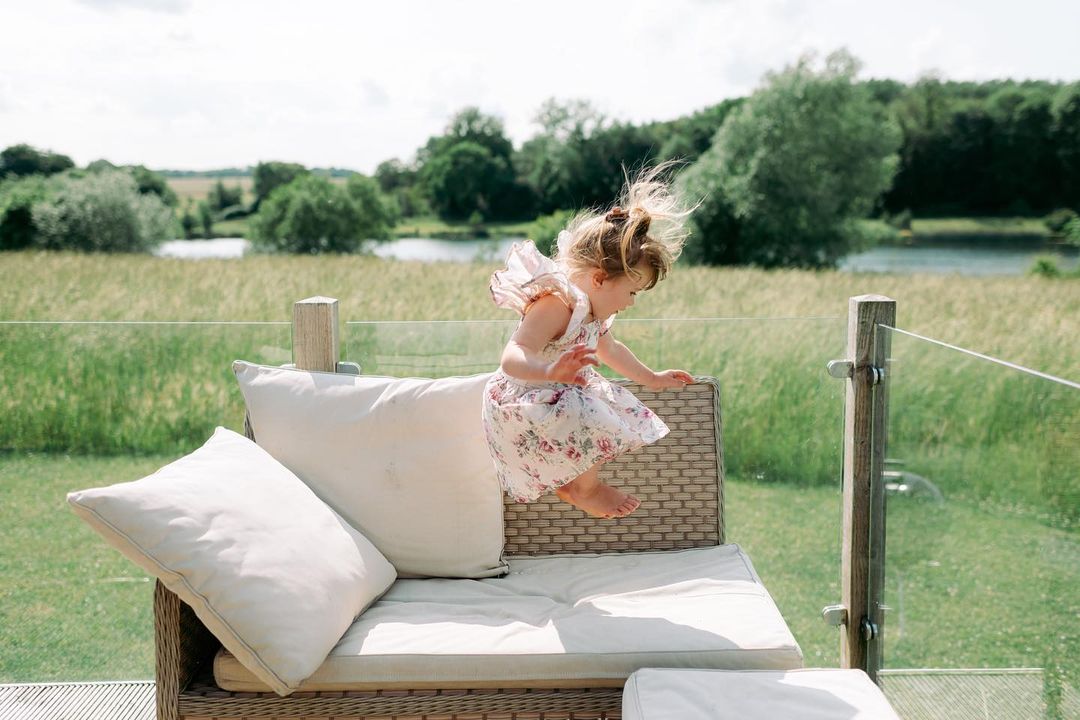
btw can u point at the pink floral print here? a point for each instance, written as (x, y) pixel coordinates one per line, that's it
(543, 435)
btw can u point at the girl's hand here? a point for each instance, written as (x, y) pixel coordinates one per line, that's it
(567, 369)
(669, 379)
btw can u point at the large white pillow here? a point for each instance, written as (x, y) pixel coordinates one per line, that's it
(402, 459)
(270, 570)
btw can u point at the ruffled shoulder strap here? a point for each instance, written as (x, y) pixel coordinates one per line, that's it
(529, 276)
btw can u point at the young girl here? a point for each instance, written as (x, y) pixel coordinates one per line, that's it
(551, 420)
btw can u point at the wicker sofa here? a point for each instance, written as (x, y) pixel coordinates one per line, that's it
(681, 483)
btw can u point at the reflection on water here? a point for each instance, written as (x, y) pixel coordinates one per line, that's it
(196, 249)
(971, 259)
(960, 259)
(424, 249)
(431, 250)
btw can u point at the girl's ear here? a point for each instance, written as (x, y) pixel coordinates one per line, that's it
(597, 277)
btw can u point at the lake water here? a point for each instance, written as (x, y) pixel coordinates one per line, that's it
(962, 259)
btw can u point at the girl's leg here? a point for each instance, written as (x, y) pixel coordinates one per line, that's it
(597, 498)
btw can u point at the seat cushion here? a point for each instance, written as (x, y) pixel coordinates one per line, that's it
(810, 694)
(270, 570)
(558, 622)
(402, 459)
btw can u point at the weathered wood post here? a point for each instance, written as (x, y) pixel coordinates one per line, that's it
(315, 343)
(865, 430)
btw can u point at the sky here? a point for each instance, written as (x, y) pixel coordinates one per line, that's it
(203, 84)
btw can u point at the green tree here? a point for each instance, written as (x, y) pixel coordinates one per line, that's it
(100, 212)
(579, 157)
(23, 159)
(222, 198)
(401, 183)
(188, 221)
(1065, 130)
(1024, 166)
(310, 215)
(686, 138)
(792, 170)
(149, 181)
(17, 199)
(393, 175)
(377, 212)
(465, 179)
(206, 219)
(469, 169)
(267, 176)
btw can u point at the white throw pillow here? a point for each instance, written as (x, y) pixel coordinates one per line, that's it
(404, 460)
(270, 570)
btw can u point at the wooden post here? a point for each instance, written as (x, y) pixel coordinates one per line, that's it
(865, 416)
(315, 334)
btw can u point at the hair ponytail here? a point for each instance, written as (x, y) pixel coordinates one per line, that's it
(647, 224)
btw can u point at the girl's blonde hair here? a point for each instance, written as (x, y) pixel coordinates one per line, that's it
(646, 224)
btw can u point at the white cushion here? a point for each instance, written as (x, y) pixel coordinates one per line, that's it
(270, 570)
(562, 621)
(402, 459)
(811, 694)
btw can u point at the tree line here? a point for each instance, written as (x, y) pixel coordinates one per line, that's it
(782, 176)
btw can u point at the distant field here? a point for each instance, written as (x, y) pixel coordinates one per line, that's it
(979, 226)
(197, 188)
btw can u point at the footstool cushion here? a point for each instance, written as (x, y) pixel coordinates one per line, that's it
(807, 694)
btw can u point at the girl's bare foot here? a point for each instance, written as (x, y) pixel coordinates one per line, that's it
(598, 499)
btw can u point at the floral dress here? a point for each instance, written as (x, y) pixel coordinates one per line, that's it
(542, 435)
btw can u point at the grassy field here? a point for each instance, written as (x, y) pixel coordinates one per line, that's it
(162, 388)
(86, 405)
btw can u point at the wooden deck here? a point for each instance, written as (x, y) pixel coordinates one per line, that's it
(78, 701)
(1000, 694)
(915, 694)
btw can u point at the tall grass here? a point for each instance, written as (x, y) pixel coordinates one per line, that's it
(162, 388)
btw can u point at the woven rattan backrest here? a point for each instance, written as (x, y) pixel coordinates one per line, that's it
(679, 480)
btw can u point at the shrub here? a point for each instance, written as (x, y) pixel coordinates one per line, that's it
(17, 199)
(309, 215)
(1056, 221)
(1045, 266)
(377, 213)
(546, 228)
(100, 212)
(22, 160)
(900, 221)
(1071, 231)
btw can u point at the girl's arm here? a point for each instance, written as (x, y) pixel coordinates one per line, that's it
(545, 320)
(620, 359)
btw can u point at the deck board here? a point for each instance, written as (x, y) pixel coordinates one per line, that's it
(78, 701)
(1001, 694)
(915, 694)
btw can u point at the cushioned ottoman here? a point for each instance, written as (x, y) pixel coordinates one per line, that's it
(810, 694)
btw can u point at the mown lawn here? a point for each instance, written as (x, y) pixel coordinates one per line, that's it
(961, 581)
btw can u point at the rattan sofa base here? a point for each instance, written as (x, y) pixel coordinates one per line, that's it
(680, 481)
(205, 700)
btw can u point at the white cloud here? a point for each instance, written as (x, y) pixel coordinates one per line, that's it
(161, 6)
(201, 84)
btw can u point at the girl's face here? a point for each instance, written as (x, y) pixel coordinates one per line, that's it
(609, 295)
